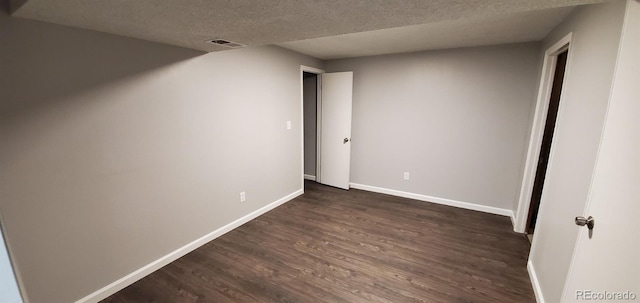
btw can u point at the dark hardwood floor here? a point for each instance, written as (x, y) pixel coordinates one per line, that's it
(330, 245)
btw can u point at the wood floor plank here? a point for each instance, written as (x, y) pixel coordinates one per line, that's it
(331, 245)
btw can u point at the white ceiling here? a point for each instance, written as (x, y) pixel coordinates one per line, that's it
(383, 26)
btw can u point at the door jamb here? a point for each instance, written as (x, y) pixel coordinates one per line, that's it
(537, 129)
(317, 71)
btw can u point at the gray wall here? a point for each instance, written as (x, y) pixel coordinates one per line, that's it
(310, 124)
(596, 35)
(116, 151)
(455, 119)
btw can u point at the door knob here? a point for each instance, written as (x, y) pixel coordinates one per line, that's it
(582, 221)
(345, 140)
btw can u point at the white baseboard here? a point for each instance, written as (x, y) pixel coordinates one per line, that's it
(534, 282)
(309, 177)
(465, 205)
(131, 278)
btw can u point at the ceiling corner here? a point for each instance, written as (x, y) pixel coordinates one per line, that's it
(14, 5)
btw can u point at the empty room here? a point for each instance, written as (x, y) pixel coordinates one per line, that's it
(319, 151)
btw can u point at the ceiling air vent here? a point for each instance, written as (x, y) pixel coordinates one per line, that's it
(226, 43)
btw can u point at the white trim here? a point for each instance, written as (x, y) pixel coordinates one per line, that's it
(443, 201)
(131, 278)
(318, 126)
(537, 129)
(534, 282)
(304, 68)
(310, 69)
(309, 177)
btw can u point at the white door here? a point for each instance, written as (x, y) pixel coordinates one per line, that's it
(335, 140)
(606, 267)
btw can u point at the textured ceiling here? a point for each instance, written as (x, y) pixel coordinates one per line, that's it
(502, 29)
(189, 23)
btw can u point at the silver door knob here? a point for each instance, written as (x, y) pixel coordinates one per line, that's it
(582, 221)
(345, 140)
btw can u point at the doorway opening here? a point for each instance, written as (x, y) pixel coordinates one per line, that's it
(310, 109)
(547, 139)
(311, 103)
(540, 151)
(330, 94)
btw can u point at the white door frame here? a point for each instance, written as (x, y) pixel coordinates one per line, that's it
(537, 130)
(317, 71)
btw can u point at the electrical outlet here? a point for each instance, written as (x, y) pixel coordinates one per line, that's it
(406, 175)
(288, 124)
(243, 197)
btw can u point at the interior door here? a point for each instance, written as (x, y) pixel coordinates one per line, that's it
(335, 139)
(606, 266)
